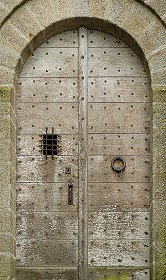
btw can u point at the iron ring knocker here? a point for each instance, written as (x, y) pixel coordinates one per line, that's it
(118, 164)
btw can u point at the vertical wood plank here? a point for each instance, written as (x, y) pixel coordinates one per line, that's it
(83, 149)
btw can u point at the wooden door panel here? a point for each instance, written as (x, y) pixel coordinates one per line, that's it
(105, 62)
(43, 115)
(77, 218)
(67, 39)
(50, 63)
(118, 125)
(124, 144)
(48, 225)
(48, 90)
(103, 40)
(96, 273)
(63, 252)
(30, 144)
(137, 169)
(33, 273)
(118, 118)
(47, 185)
(40, 197)
(35, 169)
(118, 196)
(118, 89)
(117, 252)
(118, 225)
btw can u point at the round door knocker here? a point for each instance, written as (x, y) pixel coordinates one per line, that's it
(118, 164)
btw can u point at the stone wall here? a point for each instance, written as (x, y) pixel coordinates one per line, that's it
(28, 23)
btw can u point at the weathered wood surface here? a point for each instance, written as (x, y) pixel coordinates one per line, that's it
(67, 39)
(118, 89)
(119, 253)
(137, 169)
(96, 273)
(125, 144)
(48, 90)
(30, 144)
(63, 117)
(83, 156)
(105, 225)
(47, 225)
(118, 118)
(119, 62)
(40, 197)
(47, 273)
(103, 40)
(40, 252)
(40, 169)
(53, 62)
(108, 225)
(119, 196)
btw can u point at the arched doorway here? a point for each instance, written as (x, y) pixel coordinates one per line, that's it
(83, 160)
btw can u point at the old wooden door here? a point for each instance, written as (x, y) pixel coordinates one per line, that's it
(83, 161)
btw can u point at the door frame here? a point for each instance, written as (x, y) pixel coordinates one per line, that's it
(18, 52)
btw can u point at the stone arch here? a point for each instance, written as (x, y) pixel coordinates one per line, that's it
(31, 23)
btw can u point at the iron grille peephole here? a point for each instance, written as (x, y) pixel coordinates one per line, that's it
(50, 144)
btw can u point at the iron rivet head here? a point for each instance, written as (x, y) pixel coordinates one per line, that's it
(118, 164)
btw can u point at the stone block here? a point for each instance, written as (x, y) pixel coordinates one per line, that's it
(159, 190)
(7, 128)
(7, 76)
(159, 137)
(159, 226)
(156, 60)
(164, 18)
(7, 222)
(137, 20)
(7, 244)
(5, 108)
(158, 6)
(159, 159)
(9, 58)
(7, 103)
(7, 197)
(153, 37)
(12, 3)
(116, 11)
(8, 269)
(57, 11)
(7, 94)
(13, 38)
(24, 19)
(39, 8)
(7, 151)
(8, 173)
(159, 117)
(158, 77)
(159, 248)
(3, 12)
(159, 93)
(100, 8)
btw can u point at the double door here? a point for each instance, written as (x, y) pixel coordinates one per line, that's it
(83, 161)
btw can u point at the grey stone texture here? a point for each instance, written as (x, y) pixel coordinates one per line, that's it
(27, 24)
(7, 182)
(159, 183)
